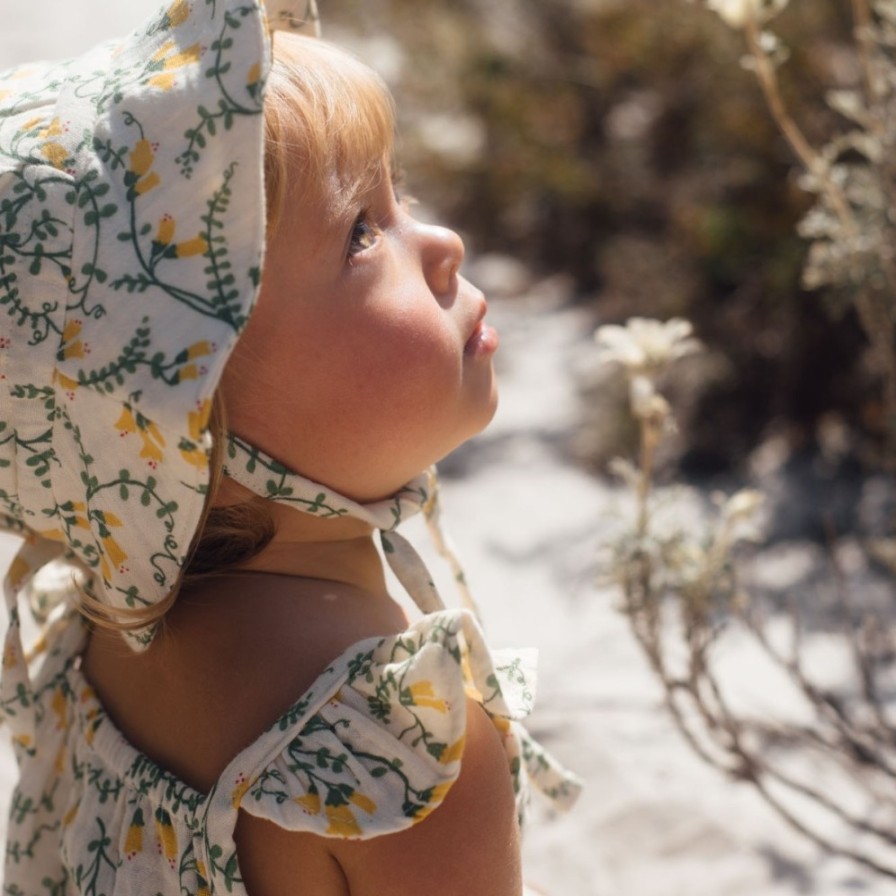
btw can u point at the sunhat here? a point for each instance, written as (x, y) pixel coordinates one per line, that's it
(131, 238)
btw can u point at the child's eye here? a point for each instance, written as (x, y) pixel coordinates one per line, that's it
(364, 235)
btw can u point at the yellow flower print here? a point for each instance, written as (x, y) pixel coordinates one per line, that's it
(72, 347)
(112, 555)
(10, 656)
(164, 80)
(176, 60)
(145, 184)
(454, 752)
(53, 129)
(435, 800)
(423, 695)
(193, 454)
(199, 349)
(198, 419)
(503, 725)
(242, 785)
(254, 75)
(188, 372)
(52, 534)
(56, 154)
(67, 383)
(167, 836)
(141, 157)
(166, 230)
(195, 246)
(18, 572)
(39, 647)
(59, 705)
(166, 48)
(69, 816)
(126, 423)
(170, 63)
(342, 822)
(310, 803)
(71, 330)
(153, 440)
(77, 508)
(4, 94)
(364, 803)
(32, 123)
(178, 13)
(133, 841)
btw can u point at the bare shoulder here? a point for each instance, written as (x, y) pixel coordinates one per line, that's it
(469, 846)
(230, 660)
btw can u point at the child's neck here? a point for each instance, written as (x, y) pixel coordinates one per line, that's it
(334, 550)
(306, 546)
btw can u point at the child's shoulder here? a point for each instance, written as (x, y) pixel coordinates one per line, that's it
(232, 656)
(391, 738)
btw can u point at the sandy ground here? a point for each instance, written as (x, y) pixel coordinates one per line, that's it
(653, 821)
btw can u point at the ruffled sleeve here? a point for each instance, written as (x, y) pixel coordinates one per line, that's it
(381, 743)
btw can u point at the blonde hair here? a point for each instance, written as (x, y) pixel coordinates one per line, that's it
(329, 125)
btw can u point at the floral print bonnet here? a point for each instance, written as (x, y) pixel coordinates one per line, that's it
(131, 238)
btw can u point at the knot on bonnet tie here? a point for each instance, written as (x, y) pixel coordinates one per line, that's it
(271, 480)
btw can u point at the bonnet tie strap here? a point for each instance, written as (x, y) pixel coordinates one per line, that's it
(16, 689)
(271, 480)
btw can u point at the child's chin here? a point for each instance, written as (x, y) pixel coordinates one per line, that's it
(479, 426)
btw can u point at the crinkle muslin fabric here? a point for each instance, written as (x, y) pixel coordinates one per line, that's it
(131, 241)
(131, 238)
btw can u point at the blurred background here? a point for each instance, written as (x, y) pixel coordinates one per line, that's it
(620, 145)
(604, 159)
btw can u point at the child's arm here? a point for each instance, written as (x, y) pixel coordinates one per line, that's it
(469, 846)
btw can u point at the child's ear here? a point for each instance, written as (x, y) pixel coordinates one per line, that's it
(296, 16)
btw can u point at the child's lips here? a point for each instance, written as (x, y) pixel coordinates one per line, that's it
(483, 340)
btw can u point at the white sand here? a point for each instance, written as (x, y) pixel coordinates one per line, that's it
(654, 821)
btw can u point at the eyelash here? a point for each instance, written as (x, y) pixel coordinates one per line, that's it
(363, 230)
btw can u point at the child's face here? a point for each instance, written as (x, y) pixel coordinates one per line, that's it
(364, 361)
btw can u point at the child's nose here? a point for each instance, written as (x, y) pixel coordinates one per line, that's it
(443, 252)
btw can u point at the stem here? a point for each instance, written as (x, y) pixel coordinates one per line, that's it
(650, 439)
(808, 156)
(861, 13)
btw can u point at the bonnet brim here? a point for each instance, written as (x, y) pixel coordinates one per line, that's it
(131, 237)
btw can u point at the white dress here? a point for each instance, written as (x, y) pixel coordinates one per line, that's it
(371, 748)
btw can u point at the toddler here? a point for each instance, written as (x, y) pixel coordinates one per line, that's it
(229, 357)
